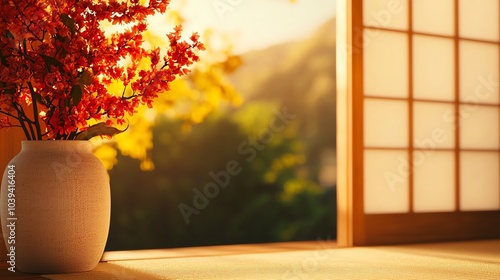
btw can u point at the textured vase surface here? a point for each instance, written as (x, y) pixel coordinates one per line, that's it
(62, 207)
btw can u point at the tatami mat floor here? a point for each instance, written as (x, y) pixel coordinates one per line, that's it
(456, 260)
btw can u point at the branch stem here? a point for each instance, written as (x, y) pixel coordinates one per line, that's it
(35, 112)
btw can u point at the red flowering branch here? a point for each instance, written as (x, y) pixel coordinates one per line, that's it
(56, 62)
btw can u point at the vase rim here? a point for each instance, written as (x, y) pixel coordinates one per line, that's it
(52, 145)
(37, 141)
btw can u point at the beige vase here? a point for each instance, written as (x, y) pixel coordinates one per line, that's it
(61, 210)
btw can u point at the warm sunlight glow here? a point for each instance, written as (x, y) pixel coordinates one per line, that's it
(434, 17)
(257, 24)
(382, 128)
(478, 173)
(434, 182)
(433, 125)
(433, 68)
(386, 64)
(470, 27)
(385, 191)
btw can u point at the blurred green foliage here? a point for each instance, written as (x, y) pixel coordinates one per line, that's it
(270, 200)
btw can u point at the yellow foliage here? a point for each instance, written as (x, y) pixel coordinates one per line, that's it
(147, 165)
(107, 155)
(137, 140)
(295, 186)
(281, 163)
(190, 99)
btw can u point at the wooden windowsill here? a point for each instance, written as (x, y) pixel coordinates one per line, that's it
(207, 251)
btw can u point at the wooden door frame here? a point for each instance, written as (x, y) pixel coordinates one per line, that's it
(354, 226)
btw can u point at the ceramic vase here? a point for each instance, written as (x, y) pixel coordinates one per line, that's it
(55, 207)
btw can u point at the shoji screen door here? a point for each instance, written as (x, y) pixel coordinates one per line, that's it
(419, 120)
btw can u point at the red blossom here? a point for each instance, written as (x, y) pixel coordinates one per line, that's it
(55, 63)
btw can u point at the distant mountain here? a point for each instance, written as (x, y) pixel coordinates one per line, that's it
(303, 59)
(301, 76)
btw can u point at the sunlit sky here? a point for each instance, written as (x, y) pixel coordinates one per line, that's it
(256, 24)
